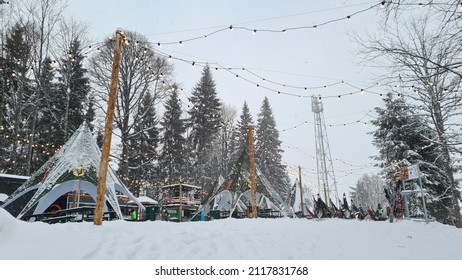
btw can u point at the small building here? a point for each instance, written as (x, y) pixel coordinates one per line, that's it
(181, 201)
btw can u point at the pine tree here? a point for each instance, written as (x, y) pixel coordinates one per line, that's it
(90, 113)
(75, 86)
(48, 136)
(172, 155)
(268, 152)
(239, 141)
(403, 138)
(204, 123)
(142, 159)
(16, 100)
(205, 112)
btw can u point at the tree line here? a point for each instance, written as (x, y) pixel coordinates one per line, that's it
(52, 80)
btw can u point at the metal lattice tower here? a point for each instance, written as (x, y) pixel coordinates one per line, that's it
(326, 177)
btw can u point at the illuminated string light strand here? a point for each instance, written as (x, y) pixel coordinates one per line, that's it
(335, 159)
(282, 30)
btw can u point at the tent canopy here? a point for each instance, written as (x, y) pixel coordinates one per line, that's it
(73, 168)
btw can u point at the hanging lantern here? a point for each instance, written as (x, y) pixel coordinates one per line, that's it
(79, 171)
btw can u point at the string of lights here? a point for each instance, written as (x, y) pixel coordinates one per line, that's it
(359, 121)
(349, 17)
(282, 30)
(335, 159)
(232, 71)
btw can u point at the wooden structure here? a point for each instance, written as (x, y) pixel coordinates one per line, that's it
(181, 201)
(103, 168)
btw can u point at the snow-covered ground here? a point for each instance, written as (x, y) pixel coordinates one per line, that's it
(271, 240)
(230, 239)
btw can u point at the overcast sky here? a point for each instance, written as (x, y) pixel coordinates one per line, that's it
(306, 57)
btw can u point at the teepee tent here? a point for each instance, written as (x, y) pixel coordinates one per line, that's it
(73, 168)
(233, 194)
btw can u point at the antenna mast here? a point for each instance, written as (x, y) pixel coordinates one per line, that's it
(326, 177)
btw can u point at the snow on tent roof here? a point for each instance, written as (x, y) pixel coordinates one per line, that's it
(144, 200)
(13, 176)
(75, 166)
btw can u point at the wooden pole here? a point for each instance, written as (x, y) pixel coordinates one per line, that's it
(103, 167)
(180, 209)
(301, 190)
(253, 187)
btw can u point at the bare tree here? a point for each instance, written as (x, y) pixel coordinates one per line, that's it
(141, 72)
(422, 59)
(223, 139)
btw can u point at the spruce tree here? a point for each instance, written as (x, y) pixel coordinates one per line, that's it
(239, 141)
(75, 87)
(205, 112)
(172, 155)
(48, 136)
(268, 152)
(204, 123)
(403, 138)
(17, 100)
(142, 159)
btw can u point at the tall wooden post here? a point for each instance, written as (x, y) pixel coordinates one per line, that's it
(253, 187)
(301, 190)
(103, 167)
(180, 208)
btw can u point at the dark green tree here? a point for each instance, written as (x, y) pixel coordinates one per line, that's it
(17, 100)
(172, 155)
(204, 123)
(239, 140)
(74, 87)
(205, 112)
(268, 152)
(48, 136)
(143, 143)
(403, 138)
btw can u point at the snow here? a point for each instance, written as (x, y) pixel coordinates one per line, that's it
(13, 176)
(234, 239)
(144, 199)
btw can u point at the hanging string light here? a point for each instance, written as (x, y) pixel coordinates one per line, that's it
(281, 30)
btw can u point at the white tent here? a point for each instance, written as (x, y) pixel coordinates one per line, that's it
(74, 168)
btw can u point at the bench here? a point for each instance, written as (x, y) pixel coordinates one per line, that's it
(59, 219)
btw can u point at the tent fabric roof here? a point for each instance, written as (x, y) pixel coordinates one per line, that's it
(78, 159)
(145, 200)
